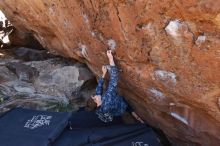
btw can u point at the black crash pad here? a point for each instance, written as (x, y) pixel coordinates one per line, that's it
(25, 127)
(88, 131)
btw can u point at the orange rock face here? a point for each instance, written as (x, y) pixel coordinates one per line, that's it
(168, 52)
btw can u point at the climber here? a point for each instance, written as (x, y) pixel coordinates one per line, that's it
(110, 103)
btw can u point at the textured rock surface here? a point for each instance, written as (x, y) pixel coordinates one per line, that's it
(168, 53)
(55, 83)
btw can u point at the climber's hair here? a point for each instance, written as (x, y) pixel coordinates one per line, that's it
(91, 105)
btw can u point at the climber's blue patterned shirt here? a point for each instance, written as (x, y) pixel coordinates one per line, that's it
(112, 104)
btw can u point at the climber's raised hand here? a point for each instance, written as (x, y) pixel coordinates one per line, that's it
(109, 54)
(110, 57)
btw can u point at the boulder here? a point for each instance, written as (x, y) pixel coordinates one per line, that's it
(63, 81)
(24, 72)
(24, 38)
(167, 52)
(28, 54)
(57, 82)
(24, 88)
(6, 75)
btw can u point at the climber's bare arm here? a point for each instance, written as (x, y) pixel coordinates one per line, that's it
(99, 88)
(104, 71)
(137, 117)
